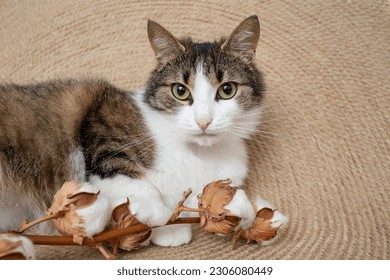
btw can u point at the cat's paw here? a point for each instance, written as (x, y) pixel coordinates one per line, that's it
(242, 207)
(150, 211)
(172, 235)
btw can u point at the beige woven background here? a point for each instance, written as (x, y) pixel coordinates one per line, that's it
(324, 155)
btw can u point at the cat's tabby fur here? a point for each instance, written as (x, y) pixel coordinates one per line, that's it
(147, 144)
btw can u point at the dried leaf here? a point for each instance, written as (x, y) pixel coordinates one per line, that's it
(122, 218)
(214, 218)
(16, 247)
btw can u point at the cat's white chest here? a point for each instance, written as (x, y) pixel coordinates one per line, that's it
(178, 168)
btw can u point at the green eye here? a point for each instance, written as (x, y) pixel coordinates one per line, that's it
(227, 91)
(181, 92)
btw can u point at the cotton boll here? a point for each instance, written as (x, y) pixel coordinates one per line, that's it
(279, 219)
(95, 216)
(215, 217)
(83, 211)
(14, 246)
(122, 217)
(265, 226)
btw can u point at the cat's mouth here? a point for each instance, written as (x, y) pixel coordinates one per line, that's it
(206, 139)
(205, 134)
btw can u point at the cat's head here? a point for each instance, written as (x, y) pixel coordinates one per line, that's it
(209, 91)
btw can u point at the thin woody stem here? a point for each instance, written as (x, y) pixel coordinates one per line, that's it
(187, 209)
(104, 252)
(96, 239)
(26, 225)
(116, 247)
(237, 236)
(188, 220)
(180, 205)
(102, 237)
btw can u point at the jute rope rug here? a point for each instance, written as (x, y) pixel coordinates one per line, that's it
(323, 156)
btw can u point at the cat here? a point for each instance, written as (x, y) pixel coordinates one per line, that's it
(185, 128)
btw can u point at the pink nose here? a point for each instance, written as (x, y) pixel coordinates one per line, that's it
(204, 124)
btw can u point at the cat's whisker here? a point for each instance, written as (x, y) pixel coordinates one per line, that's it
(246, 124)
(176, 134)
(126, 147)
(252, 112)
(262, 118)
(141, 151)
(242, 134)
(139, 141)
(272, 121)
(256, 130)
(125, 137)
(262, 132)
(134, 140)
(255, 116)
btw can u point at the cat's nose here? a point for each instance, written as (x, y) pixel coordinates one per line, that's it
(204, 124)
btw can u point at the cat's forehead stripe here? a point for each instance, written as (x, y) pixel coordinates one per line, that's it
(186, 76)
(202, 85)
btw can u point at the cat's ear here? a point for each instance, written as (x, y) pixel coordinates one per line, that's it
(164, 44)
(243, 41)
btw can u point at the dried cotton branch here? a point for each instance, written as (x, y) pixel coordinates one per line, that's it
(81, 214)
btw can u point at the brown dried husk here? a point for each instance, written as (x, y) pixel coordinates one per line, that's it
(214, 218)
(15, 247)
(66, 202)
(122, 218)
(261, 229)
(7, 250)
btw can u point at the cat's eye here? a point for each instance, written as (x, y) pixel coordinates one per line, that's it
(181, 92)
(227, 91)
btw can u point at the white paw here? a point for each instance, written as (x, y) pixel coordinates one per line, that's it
(242, 207)
(150, 211)
(172, 235)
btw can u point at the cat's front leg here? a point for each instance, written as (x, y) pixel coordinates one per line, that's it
(176, 235)
(146, 202)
